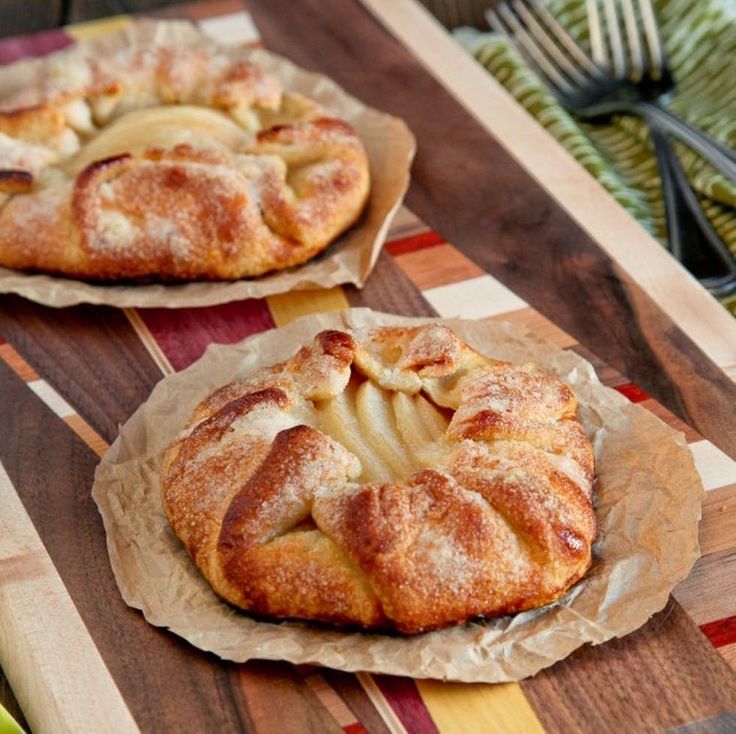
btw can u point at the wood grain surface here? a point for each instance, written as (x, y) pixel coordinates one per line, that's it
(212, 693)
(597, 686)
(27, 16)
(665, 675)
(168, 684)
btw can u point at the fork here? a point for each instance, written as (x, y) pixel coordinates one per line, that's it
(592, 87)
(589, 89)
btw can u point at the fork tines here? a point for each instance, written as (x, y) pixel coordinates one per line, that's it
(636, 53)
(545, 45)
(624, 41)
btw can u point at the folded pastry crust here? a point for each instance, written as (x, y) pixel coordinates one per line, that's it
(170, 164)
(390, 478)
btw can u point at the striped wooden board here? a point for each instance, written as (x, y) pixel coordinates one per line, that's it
(69, 377)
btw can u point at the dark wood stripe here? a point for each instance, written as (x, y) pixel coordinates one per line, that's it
(15, 18)
(469, 189)
(82, 10)
(660, 676)
(277, 700)
(184, 333)
(168, 684)
(356, 699)
(709, 592)
(198, 10)
(90, 355)
(389, 290)
(721, 632)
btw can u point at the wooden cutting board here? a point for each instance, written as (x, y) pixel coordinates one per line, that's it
(80, 660)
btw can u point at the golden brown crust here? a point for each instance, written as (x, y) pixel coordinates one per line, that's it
(173, 165)
(329, 487)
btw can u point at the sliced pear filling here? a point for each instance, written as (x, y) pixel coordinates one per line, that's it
(393, 434)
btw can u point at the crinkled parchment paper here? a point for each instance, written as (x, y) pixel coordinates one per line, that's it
(648, 500)
(388, 142)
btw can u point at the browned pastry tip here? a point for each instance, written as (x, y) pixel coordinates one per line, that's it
(15, 181)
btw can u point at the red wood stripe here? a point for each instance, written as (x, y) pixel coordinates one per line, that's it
(721, 632)
(183, 334)
(633, 393)
(404, 698)
(356, 728)
(36, 44)
(414, 243)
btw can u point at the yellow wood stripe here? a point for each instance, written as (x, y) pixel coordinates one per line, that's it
(492, 709)
(286, 307)
(97, 28)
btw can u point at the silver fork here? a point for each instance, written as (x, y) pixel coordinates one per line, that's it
(628, 73)
(590, 89)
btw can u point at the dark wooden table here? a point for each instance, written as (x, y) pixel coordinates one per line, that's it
(505, 227)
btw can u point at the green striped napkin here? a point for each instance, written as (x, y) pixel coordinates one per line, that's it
(700, 38)
(8, 725)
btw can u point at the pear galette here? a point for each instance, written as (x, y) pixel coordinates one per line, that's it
(388, 478)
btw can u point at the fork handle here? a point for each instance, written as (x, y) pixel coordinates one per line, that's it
(714, 151)
(720, 156)
(690, 236)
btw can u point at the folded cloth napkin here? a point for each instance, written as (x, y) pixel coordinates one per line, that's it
(700, 39)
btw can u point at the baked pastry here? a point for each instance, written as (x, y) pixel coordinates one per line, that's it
(171, 164)
(390, 478)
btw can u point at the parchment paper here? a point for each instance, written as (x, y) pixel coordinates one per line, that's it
(648, 503)
(389, 145)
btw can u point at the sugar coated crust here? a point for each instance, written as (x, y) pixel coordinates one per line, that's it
(170, 164)
(387, 478)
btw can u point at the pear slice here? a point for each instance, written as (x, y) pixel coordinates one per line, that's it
(164, 127)
(434, 421)
(378, 424)
(412, 428)
(338, 418)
